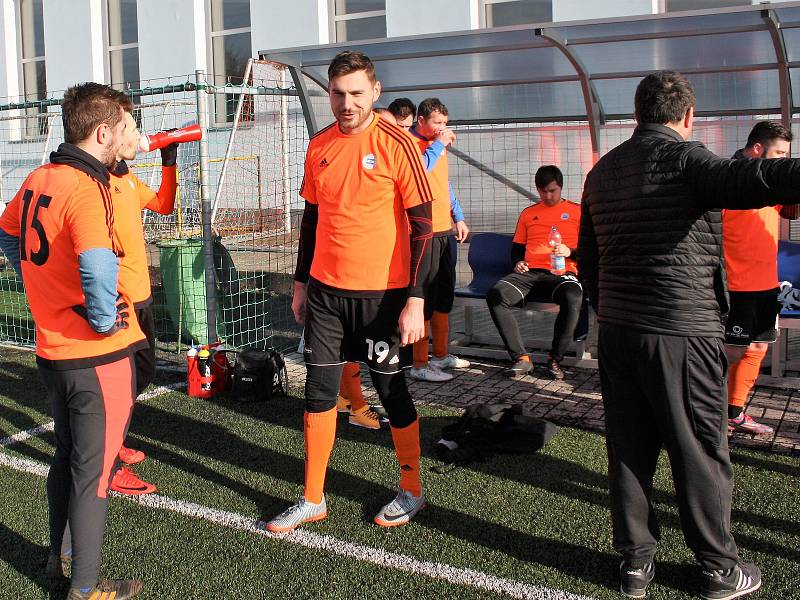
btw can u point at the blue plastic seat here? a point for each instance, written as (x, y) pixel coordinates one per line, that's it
(789, 269)
(490, 260)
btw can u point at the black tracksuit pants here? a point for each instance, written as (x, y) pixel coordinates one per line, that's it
(91, 409)
(670, 391)
(517, 288)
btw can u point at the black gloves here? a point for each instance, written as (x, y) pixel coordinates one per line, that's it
(121, 321)
(169, 155)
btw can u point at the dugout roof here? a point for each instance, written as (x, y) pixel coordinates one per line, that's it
(743, 60)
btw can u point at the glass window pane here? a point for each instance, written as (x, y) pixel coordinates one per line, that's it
(32, 28)
(230, 57)
(360, 29)
(124, 68)
(35, 82)
(676, 5)
(519, 12)
(229, 14)
(122, 26)
(348, 7)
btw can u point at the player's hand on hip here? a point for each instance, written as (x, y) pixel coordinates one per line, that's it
(120, 320)
(299, 302)
(462, 231)
(412, 321)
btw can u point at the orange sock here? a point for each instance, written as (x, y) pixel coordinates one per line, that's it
(406, 446)
(320, 432)
(350, 386)
(742, 376)
(440, 332)
(421, 350)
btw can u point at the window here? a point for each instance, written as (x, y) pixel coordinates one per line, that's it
(230, 51)
(678, 5)
(122, 43)
(499, 13)
(358, 20)
(32, 71)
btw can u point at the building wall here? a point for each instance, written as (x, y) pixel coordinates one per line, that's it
(416, 17)
(288, 24)
(172, 38)
(173, 34)
(579, 10)
(73, 43)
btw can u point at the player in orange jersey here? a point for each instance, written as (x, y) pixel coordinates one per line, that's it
(432, 136)
(130, 196)
(750, 244)
(532, 276)
(358, 283)
(60, 225)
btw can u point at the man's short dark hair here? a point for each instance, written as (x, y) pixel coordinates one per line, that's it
(88, 105)
(767, 132)
(547, 175)
(351, 61)
(663, 97)
(430, 105)
(402, 108)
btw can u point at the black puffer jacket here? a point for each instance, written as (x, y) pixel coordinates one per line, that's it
(649, 250)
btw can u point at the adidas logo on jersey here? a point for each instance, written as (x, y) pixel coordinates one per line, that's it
(323, 162)
(117, 190)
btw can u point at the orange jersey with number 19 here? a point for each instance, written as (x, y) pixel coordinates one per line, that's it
(58, 213)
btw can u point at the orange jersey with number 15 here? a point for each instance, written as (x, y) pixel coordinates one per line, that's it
(57, 214)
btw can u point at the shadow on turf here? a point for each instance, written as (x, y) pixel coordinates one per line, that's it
(220, 444)
(29, 560)
(23, 386)
(566, 478)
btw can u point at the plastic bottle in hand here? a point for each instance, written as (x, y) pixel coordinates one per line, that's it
(558, 264)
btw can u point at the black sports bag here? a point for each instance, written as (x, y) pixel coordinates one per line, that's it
(258, 375)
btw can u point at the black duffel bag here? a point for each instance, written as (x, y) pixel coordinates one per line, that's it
(258, 375)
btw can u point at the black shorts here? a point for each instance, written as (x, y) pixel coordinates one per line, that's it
(341, 328)
(440, 288)
(753, 318)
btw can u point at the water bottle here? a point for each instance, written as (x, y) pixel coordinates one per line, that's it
(558, 264)
(156, 141)
(204, 366)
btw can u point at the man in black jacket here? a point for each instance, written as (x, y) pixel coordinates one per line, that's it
(649, 252)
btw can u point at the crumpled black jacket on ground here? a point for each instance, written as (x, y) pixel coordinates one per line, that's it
(650, 243)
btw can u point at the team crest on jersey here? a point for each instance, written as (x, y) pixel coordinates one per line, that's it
(565, 216)
(368, 162)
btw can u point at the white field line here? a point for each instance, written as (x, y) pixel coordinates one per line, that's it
(40, 429)
(307, 539)
(300, 537)
(27, 434)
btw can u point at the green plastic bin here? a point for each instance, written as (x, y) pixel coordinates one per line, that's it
(183, 281)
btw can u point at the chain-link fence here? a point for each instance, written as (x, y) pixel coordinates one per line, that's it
(242, 181)
(242, 178)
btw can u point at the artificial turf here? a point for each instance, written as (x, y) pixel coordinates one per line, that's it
(541, 519)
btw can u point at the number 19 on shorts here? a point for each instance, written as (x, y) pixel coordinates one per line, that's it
(379, 350)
